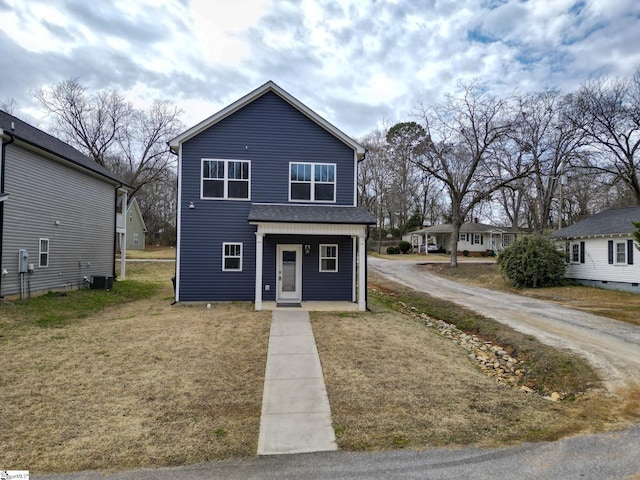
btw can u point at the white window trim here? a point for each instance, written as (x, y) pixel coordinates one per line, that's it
(320, 257)
(41, 252)
(224, 257)
(615, 253)
(136, 239)
(312, 182)
(462, 237)
(572, 260)
(473, 239)
(225, 179)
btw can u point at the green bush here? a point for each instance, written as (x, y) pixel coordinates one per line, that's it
(404, 247)
(393, 250)
(532, 261)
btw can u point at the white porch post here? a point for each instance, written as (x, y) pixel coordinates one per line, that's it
(123, 256)
(259, 243)
(354, 293)
(362, 280)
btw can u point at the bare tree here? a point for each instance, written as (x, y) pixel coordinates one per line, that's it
(552, 146)
(9, 105)
(608, 113)
(372, 178)
(461, 151)
(108, 129)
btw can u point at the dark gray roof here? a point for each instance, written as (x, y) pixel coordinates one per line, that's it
(33, 136)
(608, 222)
(310, 214)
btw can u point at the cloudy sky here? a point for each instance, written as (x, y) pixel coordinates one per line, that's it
(358, 63)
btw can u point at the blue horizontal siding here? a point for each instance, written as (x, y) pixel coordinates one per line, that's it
(269, 133)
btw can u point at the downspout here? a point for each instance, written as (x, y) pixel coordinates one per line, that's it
(3, 159)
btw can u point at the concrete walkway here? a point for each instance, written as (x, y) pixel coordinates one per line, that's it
(296, 417)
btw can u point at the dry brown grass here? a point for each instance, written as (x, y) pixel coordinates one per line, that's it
(623, 306)
(141, 384)
(392, 383)
(153, 253)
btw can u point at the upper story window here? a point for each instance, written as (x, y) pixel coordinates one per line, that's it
(226, 179)
(312, 182)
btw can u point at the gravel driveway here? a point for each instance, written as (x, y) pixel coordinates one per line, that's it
(613, 347)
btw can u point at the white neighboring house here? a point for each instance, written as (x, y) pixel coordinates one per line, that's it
(136, 229)
(600, 250)
(478, 239)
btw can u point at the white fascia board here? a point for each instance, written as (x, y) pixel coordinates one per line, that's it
(266, 228)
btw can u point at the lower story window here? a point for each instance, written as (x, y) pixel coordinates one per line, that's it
(232, 257)
(328, 258)
(136, 239)
(621, 252)
(43, 254)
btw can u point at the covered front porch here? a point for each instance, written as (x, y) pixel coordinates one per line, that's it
(310, 256)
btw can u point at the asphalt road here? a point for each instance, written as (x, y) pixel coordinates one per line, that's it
(613, 347)
(589, 457)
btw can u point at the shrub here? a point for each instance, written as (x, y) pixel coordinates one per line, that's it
(404, 247)
(532, 261)
(465, 253)
(393, 250)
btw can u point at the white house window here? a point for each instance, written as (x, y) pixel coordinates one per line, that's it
(575, 253)
(43, 254)
(328, 258)
(130, 217)
(312, 182)
(226, 179)
(462, 237)
(621, 253)
(476, 239)
(136, 239)
(507, 239)
(232, 257)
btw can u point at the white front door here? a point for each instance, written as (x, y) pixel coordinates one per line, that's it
(289, 271)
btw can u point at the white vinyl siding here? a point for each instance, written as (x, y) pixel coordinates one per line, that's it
(597, 266)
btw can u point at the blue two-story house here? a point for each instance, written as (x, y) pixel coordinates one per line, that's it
(267, 206)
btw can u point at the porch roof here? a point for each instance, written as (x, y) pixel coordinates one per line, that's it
(323, 214)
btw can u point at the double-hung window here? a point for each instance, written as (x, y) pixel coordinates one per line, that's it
(226, 179)
(621, 253)
(43, 253)
(476, 239)
(462, 237)
(136, 239)
(328, 258)
(312, 182)
(575, 253)
(232, 257)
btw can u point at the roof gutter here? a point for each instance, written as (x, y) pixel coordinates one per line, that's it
(2, 194)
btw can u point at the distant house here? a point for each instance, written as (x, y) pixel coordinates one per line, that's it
(267, 206)
(600, 250)
(475, 238)
(59, 213)
(136, 229)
